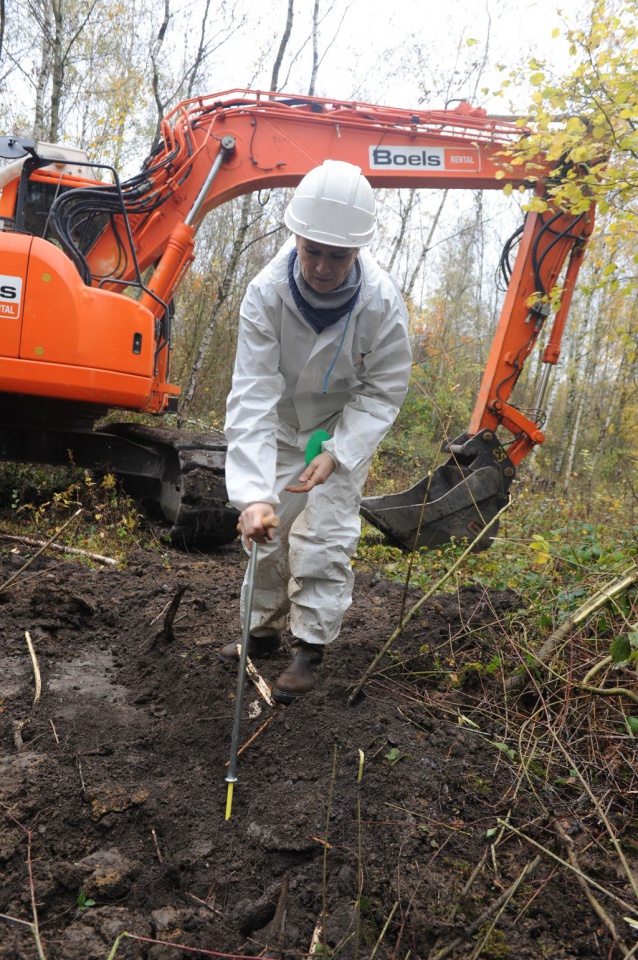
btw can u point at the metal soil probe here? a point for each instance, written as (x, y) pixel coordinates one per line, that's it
(231, 777)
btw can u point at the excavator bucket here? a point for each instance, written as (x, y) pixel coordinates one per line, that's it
(455, 502)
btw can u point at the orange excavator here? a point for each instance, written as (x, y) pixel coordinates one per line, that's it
(90, 266)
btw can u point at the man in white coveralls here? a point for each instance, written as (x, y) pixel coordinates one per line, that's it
(323, 346)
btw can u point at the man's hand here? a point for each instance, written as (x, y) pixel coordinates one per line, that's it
(317, 472)
(257, 523)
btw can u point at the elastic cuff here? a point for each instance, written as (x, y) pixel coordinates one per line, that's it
(328, 446)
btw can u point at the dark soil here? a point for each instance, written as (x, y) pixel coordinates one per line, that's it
(114, 798)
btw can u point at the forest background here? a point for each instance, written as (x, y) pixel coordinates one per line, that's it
(100, 75)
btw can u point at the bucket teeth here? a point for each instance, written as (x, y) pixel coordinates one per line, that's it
(455, 503)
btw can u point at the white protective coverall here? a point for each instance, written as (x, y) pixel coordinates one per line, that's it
(288, 382)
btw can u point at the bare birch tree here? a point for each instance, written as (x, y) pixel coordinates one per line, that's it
(283, 43)
(226, 284)
(223, 292)
(315, 49)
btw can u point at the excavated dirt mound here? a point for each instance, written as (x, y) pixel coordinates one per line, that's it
(377, 818)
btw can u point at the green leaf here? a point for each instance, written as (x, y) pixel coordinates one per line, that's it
(632, 723)
(620, 649)
(84, 902)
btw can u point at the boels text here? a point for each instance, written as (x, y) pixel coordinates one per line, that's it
(404, 157)
(425, 158)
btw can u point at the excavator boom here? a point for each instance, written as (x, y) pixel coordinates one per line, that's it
(107, 258)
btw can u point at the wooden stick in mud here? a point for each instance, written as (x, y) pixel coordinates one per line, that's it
(28, 563)
(36, 668)
(251, 739)
(260, 684)
(315, 941)
(98, 557)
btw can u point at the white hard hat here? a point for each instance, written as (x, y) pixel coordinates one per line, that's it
(334, 204)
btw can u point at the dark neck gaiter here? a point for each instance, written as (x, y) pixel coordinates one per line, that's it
(322, 310)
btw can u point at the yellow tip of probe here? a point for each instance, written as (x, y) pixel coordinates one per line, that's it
(229, 799)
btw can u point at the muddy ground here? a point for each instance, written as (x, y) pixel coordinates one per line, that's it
(114, 798)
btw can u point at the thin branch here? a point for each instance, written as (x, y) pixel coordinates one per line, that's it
(498, 905)
(426, 596)
(600, 912)
(592, 605)
(564, 863)
(98, 557)
(55, 536)
(601, 813)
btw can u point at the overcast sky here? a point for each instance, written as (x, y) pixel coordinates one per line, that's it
(396, 51)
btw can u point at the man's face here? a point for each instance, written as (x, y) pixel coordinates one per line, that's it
(324, 268)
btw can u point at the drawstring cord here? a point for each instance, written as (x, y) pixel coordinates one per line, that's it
(334, 359)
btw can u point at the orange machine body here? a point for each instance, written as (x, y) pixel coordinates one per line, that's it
(104, 336)
(60, 338)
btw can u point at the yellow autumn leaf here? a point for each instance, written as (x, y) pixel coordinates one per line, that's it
(575, 125)
(537, 204)
(542, 548)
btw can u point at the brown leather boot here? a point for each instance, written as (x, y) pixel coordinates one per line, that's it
(258, 648)
(299, 677)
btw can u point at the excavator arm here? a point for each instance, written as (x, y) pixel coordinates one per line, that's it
(138, 238)
(463, 495)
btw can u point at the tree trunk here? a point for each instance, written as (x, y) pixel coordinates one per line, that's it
(222, 295)
(568, 461)
(426, 246)
(3, 17)
(404, 218)
(274, 80)
(551, 399)
(200, 53)
(315, 49)
(57, 75)
(44, 72)
(157, 46)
